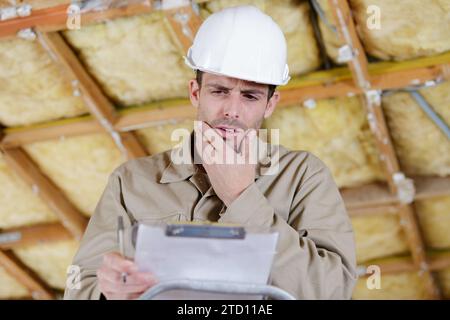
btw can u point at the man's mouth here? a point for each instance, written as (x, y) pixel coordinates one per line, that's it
(227, 132)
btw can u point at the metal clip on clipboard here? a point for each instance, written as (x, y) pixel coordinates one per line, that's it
(212, 231)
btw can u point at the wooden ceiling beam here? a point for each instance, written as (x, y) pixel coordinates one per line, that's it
(55, 18)
(31, 235)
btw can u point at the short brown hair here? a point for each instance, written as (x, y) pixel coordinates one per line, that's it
(199, 76)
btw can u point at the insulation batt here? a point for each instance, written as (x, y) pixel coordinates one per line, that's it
(157, 138)
(78, 165)
(19, 206)
(32, 87)
(422, 148)
(49, 260)
(408, 28)
(135, 59)
(335, 130)
(434, 219)
(378, 236)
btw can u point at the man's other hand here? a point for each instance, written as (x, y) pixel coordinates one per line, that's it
(110, 278)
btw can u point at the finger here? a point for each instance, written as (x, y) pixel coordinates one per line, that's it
(203, 135)
(141, 277)
(117, 262)
(108, 274)
(137, 278)
(118, 287)
(222, 148)
(247, 150)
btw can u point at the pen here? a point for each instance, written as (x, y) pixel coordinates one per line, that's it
(120, 231)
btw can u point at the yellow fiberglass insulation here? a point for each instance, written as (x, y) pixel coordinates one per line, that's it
(157, 138)
(407, 29)
(400, 286)
(293, 18)
(336, 131)
(135, 59)
(19, 205)
(378, 236)
(422, 148)
(443, 277)
(79, 165)
(434, 219)
(50, 261)
(32, 87)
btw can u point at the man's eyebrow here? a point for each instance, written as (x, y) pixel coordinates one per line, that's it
(253, 91)
(217, 86)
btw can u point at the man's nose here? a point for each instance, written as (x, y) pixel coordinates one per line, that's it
(233, 107)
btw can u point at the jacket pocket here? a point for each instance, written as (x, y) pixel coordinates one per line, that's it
(160, 217)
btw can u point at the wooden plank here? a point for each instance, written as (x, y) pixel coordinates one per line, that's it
(55, 18)
(331, 88)
(97, 103)
(390, 267)
(55, 130)
(370, 195)
(13, 266)
(71, 218)
(372, 210)
(25, 236)
(429, 187)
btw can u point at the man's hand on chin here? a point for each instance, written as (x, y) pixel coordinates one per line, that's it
(228, 178)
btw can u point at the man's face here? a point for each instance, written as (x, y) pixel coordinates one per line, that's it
(231, 105)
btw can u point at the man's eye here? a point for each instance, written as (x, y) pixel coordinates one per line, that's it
(250, 97)
(218, 92)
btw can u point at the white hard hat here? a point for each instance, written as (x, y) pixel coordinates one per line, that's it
(241, 42)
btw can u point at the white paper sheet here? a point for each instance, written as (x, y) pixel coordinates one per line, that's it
(240, 260)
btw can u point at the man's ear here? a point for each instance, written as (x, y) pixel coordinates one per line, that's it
(194, 92)
(271, 104)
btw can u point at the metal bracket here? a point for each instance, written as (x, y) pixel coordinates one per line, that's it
(14, 12)
(373, 97)
(9, 237)
(27, 34)
(309, 103)
(345, 54)
(170, 4)
(405, 188)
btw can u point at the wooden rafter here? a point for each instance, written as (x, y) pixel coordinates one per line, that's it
(185, 23)
(359, 67)
(97, 103)
(25, 236)
(55, 18)
(70, 217)
(389, 80)
(13, 266)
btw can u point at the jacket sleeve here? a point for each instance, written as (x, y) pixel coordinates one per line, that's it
(99, 238)
(315, 256)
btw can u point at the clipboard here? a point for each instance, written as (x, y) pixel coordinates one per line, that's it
(205, 252)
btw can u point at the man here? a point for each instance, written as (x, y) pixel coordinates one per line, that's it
(240, 56)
